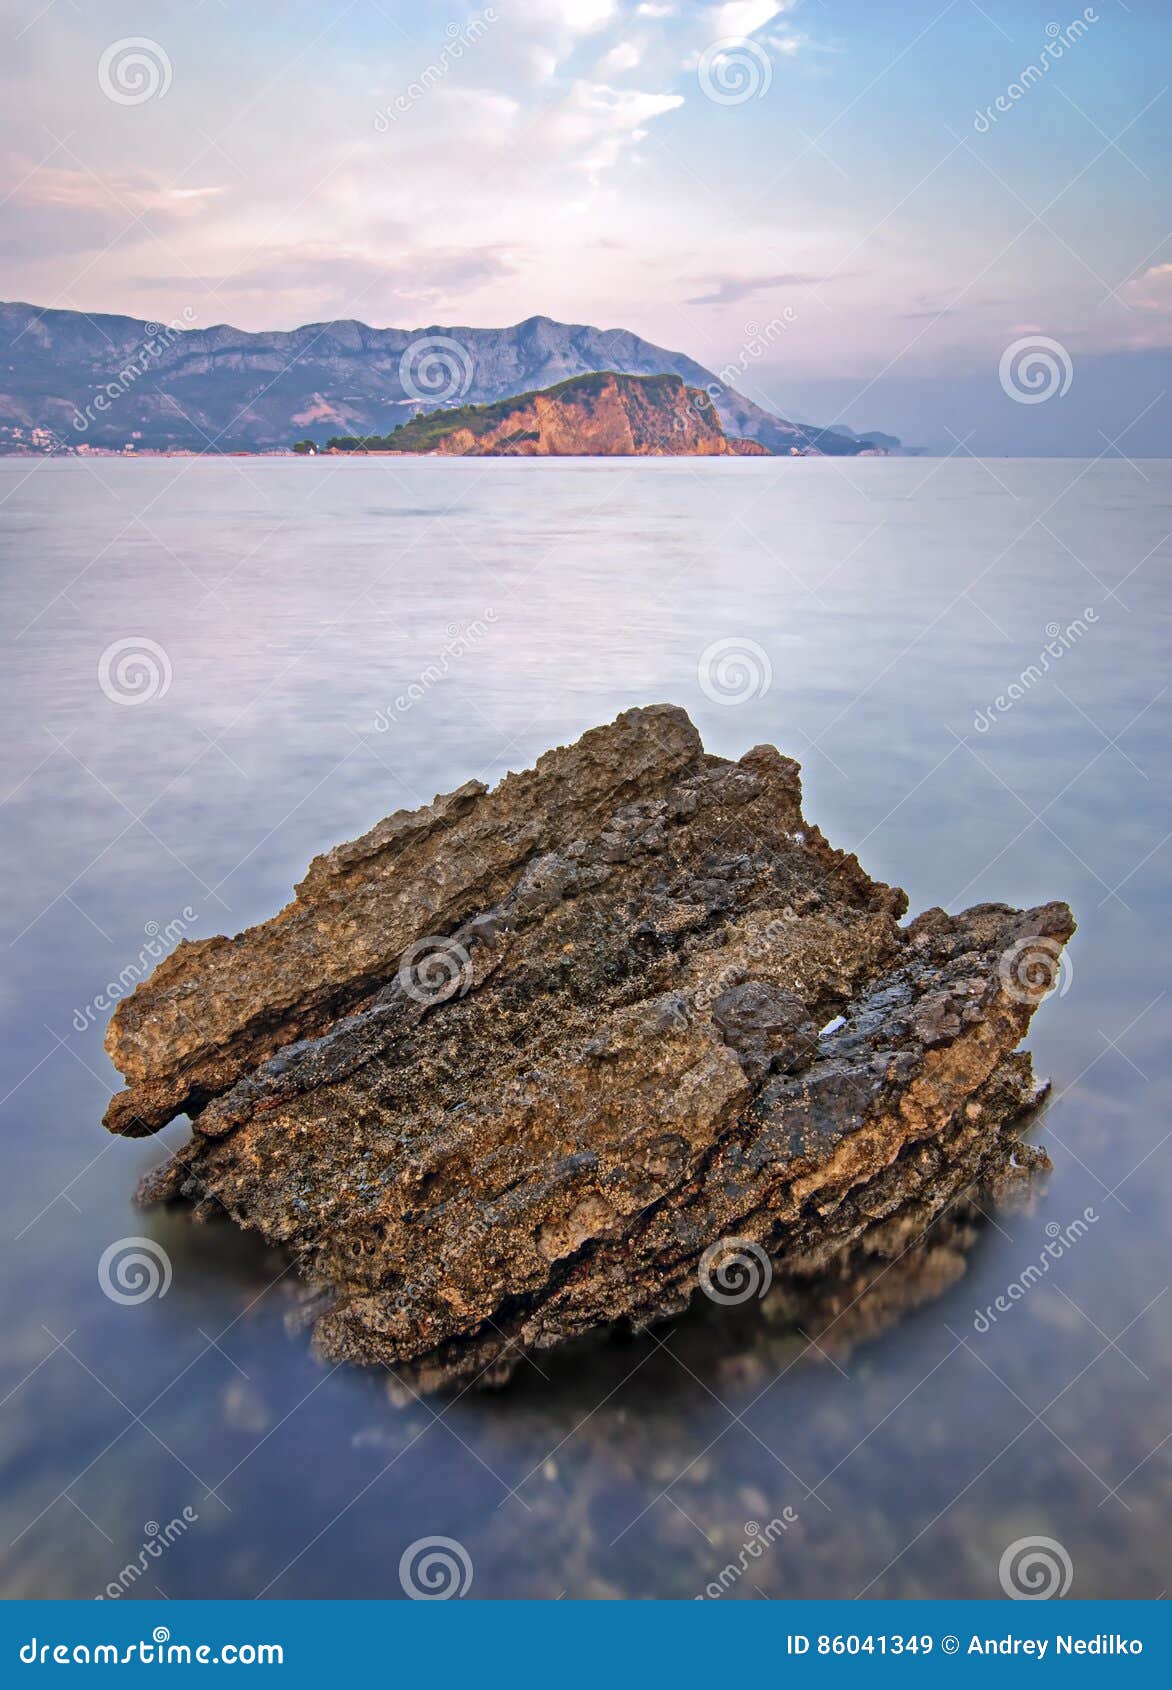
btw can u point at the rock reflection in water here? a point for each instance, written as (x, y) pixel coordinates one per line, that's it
(604, 1431)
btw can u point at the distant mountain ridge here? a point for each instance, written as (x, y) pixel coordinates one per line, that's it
(107, 381)
(601, 415)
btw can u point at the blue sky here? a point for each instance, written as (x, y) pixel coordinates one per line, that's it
(826, 176)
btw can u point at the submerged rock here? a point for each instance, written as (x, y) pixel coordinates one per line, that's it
(527, 1062)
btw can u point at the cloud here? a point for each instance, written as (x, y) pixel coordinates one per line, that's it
(1147, 322)
(597, 124)
(350, 282)
(739, 20)
(74, 188)
(624, 56)
(728, 290)
(1152, 290)
(744, 17)
(542, 62)
(58, 210)
(545, 33)
(579, 17)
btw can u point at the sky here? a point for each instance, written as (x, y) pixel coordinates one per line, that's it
(858, 207)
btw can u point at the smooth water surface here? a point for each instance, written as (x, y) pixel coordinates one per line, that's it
(293, 603)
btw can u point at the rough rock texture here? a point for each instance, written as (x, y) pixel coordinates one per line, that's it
(509, 1066)
(216, 1008)
(603, 415)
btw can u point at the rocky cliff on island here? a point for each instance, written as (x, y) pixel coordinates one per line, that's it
(602, 415)
(531, 1061)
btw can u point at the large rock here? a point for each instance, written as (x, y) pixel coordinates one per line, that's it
(530, 1061)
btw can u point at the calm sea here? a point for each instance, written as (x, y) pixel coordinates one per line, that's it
(309, 645)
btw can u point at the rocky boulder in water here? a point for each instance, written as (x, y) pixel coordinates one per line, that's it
(528, 1062)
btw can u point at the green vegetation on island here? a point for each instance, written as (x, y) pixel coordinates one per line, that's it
(423, 432)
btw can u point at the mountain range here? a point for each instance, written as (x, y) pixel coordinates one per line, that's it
(77, 378)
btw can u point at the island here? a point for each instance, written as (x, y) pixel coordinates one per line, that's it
(603, 414)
